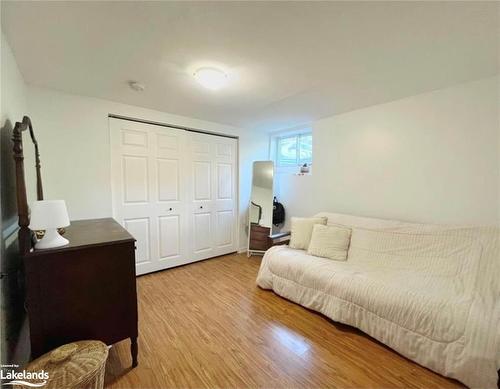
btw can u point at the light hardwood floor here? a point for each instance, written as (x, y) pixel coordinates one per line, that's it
(207, 325)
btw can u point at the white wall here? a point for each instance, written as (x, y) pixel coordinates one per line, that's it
(13, 108)
(73, 135)
(433, 157)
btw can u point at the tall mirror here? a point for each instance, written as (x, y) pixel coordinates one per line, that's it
(261, 207)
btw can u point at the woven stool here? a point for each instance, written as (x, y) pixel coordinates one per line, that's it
(78, 365)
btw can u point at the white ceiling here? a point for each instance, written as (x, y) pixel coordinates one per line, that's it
(292, 62)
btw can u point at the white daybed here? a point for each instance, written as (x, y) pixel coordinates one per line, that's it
(429, 292)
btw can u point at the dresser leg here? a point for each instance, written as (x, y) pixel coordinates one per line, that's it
(134, 350)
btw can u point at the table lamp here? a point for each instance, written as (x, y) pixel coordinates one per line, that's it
(49, 215)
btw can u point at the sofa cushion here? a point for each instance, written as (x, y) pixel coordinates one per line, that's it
(302, 229)
(329, 242)
(434, 254)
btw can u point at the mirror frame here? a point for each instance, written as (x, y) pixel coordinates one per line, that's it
(250, 250)
(25, 234)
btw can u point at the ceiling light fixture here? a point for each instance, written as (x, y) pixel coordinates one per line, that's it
(211, 78)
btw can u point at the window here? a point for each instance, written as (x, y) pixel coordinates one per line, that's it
(294, 150)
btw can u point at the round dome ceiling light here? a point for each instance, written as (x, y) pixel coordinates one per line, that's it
(211, 78)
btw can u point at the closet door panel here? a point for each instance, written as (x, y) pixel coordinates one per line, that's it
(170, 162)
(201, 145)
(148, 165)
(168, 179)
(167, 144)
(224, 181)
(225, 150)
(139, 228)
(169, 236)
(202, 172)
(200, 196)
(225, 228)
(202, 233)
(213, 189)
(225, 202)
(134, 138)
(131, 188)
(135, 179)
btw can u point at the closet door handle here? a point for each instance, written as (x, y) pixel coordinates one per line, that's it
(201, 206)
(170, 209)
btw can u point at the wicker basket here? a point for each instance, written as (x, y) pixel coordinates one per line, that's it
(78, 365)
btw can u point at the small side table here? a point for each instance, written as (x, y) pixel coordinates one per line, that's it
(260, 245)
(78, 365)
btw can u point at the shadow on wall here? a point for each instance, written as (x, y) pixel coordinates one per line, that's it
(14, 323)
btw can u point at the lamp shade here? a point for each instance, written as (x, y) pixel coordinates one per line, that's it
(46, 214)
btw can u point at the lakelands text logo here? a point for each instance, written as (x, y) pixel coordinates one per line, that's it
(32, 379)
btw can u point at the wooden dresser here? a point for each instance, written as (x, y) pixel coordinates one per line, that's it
(85, 290)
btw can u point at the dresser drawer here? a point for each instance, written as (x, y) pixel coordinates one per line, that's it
(261, 245)
(262, 236)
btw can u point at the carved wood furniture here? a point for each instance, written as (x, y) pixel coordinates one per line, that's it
(85, 290)
(25, 234)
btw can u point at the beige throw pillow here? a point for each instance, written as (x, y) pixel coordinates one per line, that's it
(330, 242)
(302, 229)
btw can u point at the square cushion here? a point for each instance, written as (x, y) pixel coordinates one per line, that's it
(329, 242)
(302, 229)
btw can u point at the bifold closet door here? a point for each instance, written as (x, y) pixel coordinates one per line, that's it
(148, 175)
(174, 191)
(212, 195)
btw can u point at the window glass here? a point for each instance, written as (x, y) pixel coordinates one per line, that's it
(287, 151)
(305, 149)
(294, 150)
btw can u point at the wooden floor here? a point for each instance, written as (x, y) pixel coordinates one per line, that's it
(207, 325)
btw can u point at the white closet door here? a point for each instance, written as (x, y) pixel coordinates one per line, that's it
(212, 195)
(148, 167)
(175, 192)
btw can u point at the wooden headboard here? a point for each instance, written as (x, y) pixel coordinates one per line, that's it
(25, 234)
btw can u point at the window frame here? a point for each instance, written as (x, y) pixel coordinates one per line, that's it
(274, 147)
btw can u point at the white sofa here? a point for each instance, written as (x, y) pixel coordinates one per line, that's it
(430, 292)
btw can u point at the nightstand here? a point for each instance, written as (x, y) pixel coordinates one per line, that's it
(262, 238)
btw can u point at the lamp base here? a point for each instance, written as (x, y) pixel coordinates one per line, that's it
(50, 240)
